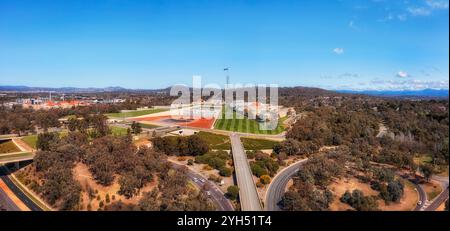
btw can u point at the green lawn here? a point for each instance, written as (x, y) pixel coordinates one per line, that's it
(257, 144)
(8, 147)
(118, 131)
(134, 113)
(423, 159)
(148, 126)
(219, 142)
(245, 125)
(30, 140)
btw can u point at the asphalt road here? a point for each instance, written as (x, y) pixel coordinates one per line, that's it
(247, 190)
(441, 198)
(210, 189)
(438, 201)
(422, 197)
(277, 188)
(27, 201)
(6, 202)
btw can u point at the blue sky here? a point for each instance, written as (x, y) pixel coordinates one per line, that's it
(341, 44)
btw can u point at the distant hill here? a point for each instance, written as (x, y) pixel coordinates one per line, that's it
(442, 93)
(284, 91)
(67, 89)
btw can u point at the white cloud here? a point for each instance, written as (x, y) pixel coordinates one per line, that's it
(408, 85)
(419, 11)
(338, 50)
(352, 25)
(437, 4)
(407, 9)
(402, 74)
(402, 17)
(349, 75)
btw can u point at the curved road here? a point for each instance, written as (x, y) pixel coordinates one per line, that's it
(278, 186)
(4, 176)
(422, 197)
(213, 192)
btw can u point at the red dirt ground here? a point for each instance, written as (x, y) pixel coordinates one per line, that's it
(200, 123)
(151, 118)
(197, 123)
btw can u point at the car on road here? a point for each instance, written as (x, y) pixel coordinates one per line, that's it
(419, 203)
(203, 180)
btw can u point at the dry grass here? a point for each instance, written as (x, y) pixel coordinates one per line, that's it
(84, 177)
(433, 189)
(407, 203)
(8, 147)
(338, 187)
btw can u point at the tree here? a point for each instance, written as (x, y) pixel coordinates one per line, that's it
(47, 119)
(232, 192)
(136, 127)
(129, 185)
(45, 140)
(395, 190)
(100, 126)
(72, 124)
(225, 172)
(20, 124)
(258, 170)
(384, 175)
(427, 171)
(197, 146)
(149, 201)
(358, 201)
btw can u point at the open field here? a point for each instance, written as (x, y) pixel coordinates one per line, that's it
(100, 192)
(118, 131)
(339, 186)
(134, 113)
(257, 144)
(30, 140)
(8, 147)
(433, 189)
(168, 120)
(246, 125)
(148, 126)
(219, 142)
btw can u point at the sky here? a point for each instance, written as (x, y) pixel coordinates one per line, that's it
(331, 44)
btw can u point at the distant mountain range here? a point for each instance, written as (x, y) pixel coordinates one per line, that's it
(406, 93)
(68, 89)
(441, 93)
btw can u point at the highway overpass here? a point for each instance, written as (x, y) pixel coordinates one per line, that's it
(15, 157)
(247, 189)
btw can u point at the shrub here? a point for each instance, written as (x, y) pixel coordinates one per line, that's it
(232, 192)
(225, 172)
(257, 170)
(265, 179)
